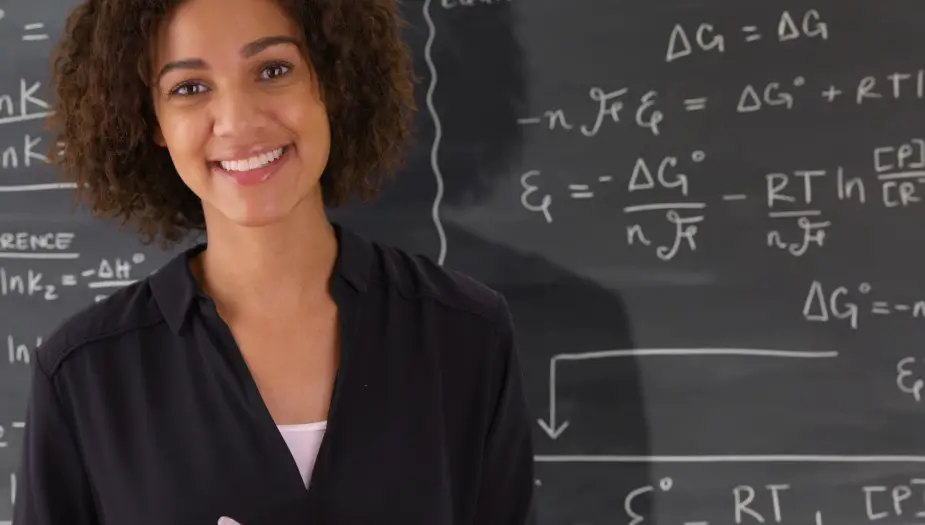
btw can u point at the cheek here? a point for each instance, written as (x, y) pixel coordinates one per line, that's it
(307, 118)
(186, 136)
(309, 121)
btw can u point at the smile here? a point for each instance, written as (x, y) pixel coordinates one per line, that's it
(253, 170)
(252, 163)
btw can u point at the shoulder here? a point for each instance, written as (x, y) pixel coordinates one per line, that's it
(122, 313)
(416, 277)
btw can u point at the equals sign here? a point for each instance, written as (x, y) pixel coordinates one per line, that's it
(34, 27)
(881, 308)
(751, 33)
(580, 191)
(69, 280)
(695, 104)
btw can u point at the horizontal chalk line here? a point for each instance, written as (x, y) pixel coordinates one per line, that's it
(730, 458)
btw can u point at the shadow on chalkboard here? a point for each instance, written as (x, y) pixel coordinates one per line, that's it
(475, 71)
(558, 312)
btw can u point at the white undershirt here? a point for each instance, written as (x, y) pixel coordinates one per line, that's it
(304, 441)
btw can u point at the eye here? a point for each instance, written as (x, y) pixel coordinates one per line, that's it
(274, 70)
(187, 89)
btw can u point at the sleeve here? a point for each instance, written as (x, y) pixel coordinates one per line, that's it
(51, 485)
(506, 489)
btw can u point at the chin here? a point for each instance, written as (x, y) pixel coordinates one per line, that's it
(260, 210)
(250, 215)
(256, 220)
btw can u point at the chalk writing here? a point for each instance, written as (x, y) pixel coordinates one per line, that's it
(842, 303)
(684, 40)
(106, 274)
(26, 245)
(26, 156)
(34, 32)
(20, 352)
(798, 222)
(25, 105)
(554, 426)
(771, 502)
(909, 371)
(645, 109)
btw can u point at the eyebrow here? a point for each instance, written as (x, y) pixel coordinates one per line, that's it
(247, 50)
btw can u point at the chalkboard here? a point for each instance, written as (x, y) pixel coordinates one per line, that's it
(706, 217)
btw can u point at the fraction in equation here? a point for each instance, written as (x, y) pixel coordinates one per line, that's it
(682, 215)
(108, 274)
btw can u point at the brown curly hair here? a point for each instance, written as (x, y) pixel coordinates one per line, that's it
(104, 115)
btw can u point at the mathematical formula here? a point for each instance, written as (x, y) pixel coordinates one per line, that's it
(897, 174)
(646, 111)
(847, 304)
(705, 37)
(105, 274)
(768, 503)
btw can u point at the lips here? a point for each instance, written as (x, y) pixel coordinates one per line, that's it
(255, 170)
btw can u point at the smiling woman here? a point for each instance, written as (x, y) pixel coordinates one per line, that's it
(225, 109)
(287, 370)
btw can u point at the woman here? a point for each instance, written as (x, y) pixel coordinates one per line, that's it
(289, 371)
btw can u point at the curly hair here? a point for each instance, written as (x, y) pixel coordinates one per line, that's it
(104, 114)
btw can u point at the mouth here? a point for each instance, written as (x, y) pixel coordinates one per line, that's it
(253, 170)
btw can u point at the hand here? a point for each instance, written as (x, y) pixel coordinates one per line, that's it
(225, 520)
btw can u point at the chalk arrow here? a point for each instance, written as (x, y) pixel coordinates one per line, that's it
(554, 429)
(550, 428)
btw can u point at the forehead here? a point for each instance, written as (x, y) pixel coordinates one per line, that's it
(204, 28)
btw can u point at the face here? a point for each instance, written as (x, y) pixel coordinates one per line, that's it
(239, 109)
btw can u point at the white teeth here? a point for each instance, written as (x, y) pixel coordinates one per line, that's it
(255, 162)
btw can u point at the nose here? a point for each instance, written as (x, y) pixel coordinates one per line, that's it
(237, 113)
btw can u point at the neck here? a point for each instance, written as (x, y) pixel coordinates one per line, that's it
(277, 269)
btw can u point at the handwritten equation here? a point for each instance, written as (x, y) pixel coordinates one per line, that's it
(103, 274)
(614, 107)
(705, 37)
(847, 304)
(897, 173)
(25, 106)
(770, 503)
